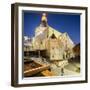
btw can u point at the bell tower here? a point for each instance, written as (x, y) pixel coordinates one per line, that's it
(44, 20)
(42, 29)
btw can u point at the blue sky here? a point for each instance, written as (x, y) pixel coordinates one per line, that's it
(66, 22)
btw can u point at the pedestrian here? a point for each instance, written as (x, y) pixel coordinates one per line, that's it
(62, 71)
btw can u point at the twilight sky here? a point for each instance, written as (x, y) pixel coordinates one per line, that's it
(69, 23)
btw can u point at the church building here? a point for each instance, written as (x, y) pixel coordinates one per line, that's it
(58, 45)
